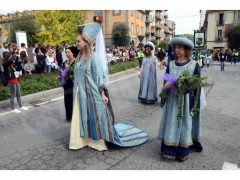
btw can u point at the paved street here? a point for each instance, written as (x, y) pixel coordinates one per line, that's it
(39, 137)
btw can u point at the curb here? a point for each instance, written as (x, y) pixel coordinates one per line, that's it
(58, 90)
(37, 95)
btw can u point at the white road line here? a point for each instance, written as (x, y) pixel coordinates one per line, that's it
(230, 166)
(56, 99)
(123, 78)
(39, 104)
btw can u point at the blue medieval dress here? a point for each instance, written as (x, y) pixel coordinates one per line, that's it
(178, 141)
(148, 82)
(93, 121)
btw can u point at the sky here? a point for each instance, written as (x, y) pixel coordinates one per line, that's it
(186, 20)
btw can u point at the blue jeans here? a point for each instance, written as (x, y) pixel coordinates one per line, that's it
(49, 68)
(234, 60)
(222, 65)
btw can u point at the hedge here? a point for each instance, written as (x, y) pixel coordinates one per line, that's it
(42, 82)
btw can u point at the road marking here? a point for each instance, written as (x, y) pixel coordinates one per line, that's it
(56, 99)
(123, 78)
(39, 104)
(230, 166)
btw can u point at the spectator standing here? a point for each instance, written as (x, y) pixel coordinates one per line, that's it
(40, 57)
(13, 83)
(222, 58)
(49, 61)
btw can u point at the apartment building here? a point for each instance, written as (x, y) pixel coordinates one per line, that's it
(216, 25)
(156, 25)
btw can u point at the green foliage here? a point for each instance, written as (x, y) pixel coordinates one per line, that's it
(120, 35)
(163, 45)
(58, 26)
(42, 82)
(4, 93)
(32, 84)
(188, 36)
(26, 23)
(154, 42)
(122, 66)
(187, 83)
(233, 36)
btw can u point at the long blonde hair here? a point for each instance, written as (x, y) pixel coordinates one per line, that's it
(86, 51)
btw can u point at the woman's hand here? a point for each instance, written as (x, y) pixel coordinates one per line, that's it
(168, 85)
(104, 98)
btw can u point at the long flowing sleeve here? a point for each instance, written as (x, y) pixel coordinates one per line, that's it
(98, 73)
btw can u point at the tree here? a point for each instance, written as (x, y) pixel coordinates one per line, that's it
(233, 35)
(154, 41)
(163, 45)
(58, 26)
(23, 22)
(188, 36)
(120, 35)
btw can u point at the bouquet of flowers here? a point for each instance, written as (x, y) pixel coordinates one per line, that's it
(183, 84)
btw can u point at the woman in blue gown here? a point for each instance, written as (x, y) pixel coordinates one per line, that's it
(178, 141)
(148, 79)
(93, 121)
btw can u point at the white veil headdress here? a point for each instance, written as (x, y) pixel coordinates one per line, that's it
(100, 50)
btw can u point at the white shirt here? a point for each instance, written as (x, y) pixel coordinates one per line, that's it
(49, 60)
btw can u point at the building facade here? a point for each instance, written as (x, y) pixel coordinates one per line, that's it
(216, 25)
(156, 25)
(170, 33)
(134, 19)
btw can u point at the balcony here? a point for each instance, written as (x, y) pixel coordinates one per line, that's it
(158, 26)
(168, 32)
(157, 36)
(158, 18)
(165, 15)
(219, 39)
(148, 21)
(220, 23)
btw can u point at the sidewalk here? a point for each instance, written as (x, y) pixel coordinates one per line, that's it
(43, 97)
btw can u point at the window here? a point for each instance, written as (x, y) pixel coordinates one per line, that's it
(132, 13)
(116, 13)
(220, 33)
(137, 30)
(220, 20)
(98, 13)
(238, 16)
(132, 28)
